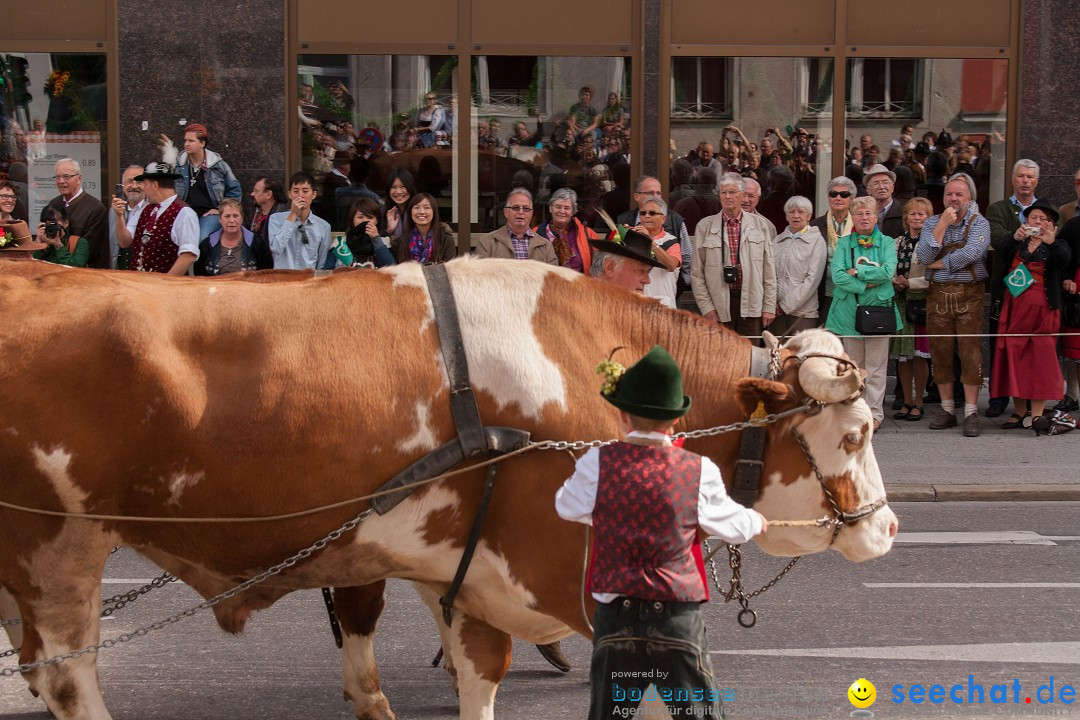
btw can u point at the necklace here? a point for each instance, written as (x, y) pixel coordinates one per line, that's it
(195, 169)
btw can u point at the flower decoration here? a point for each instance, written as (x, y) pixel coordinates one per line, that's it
(6, 238)
(57, 83)
(612, 373)
(866, 241)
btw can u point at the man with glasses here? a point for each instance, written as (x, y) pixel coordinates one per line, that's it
(737, 286)
(166, 237)
(124, 217)
(299, 239)
(649, 187)
(880, 182)
(86, 214)
(515, 240)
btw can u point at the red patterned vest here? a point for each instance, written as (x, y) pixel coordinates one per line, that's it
(646, 524)
(153, 250)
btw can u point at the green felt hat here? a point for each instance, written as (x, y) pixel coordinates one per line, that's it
(651, 388)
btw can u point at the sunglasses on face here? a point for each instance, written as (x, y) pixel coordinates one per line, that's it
(839, 193)
(651, 213)
(519, 208)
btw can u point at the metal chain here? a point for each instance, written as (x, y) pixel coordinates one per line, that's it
(111, 605)
(735, 590)
(9, 653)
(204, 605)
(837, 515)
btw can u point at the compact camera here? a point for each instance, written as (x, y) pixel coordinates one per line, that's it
(731, 274)
(53, 230)
(1032, 231)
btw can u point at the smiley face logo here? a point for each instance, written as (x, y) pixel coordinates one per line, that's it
(862, 693)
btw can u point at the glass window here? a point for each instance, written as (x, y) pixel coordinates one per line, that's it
(52, 106)
(895, 104)
(550, 122)
(764, 118)
(378, 114)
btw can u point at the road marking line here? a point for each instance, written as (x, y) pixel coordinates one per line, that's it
(973, 585)
(1043, 653)
(1001, 537)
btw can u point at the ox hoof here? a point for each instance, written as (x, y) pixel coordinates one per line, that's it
(378, 714)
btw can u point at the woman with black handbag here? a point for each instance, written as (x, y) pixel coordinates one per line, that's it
(910, 346)
(1026, 366)
(863, 311)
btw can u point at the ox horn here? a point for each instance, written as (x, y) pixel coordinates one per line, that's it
(819, 379)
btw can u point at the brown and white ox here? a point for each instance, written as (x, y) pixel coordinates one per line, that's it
(138, 395)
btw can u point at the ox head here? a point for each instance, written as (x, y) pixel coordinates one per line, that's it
(814, 367)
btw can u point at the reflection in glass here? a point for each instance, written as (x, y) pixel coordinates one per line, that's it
(931, 117)
(764, 118)
(52, 106)
(548, 122)
(377, 114)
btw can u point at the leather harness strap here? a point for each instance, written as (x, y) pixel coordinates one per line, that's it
(746, 484)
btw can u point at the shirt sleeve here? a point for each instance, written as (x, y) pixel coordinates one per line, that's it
(973, 251)
(576, 499)
(928, 247)
(185, 231)
(718, 514)
(280, 232)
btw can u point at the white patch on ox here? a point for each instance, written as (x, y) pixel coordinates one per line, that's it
(12, 432)
(424, 437)
(54, 466)
(180, 482)
(411, 275)
(361, 675)
(211, 291)
(497, 302)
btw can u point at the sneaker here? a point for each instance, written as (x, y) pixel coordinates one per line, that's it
(943, 420)
(1068, 405)
(997, 407)
(971, 425)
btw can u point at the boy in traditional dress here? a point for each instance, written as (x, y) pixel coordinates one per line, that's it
(648, 502)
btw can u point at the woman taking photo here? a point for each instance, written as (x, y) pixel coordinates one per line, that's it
(232, 248)
(568, 236)
(368, 248)
(911, 347)
(400, 188)
(652, 212)
(1027, 367)
(423, 238)
(63, 249)
(862, 271)
(833, 225)
(799, 254)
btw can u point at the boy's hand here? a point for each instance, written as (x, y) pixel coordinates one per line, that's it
(764, 522)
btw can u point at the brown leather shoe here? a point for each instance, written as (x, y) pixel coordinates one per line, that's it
(943, 420)
(971, 425)
(553, 654)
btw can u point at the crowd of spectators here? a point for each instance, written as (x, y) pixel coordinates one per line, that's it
(750, 251)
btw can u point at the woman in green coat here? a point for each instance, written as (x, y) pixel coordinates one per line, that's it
(862, 270)
(63, 249)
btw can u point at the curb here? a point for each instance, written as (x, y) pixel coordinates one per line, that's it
(916, 492)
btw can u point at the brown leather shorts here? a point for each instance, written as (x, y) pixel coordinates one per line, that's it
(955, 309)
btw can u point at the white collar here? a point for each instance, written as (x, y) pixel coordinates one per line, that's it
(650, 435)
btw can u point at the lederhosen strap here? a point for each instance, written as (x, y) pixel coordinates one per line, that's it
(949, 249)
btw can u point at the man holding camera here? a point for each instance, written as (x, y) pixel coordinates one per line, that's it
(953, 246)
(86, 214)
(743, 294)
(127, 203)
(1006, 218)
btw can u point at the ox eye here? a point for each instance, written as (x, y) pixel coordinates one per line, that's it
(854, 441)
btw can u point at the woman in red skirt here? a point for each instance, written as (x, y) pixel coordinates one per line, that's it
(1027, 367)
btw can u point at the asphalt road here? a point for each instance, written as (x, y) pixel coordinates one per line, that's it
(923, 614)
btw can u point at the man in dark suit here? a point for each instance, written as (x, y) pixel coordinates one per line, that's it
(86, 214)
(338, 177)
(880, 182)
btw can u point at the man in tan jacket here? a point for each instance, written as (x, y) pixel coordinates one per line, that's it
(515, 239)
(732, 272)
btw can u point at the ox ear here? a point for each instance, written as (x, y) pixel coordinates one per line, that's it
(777, 397)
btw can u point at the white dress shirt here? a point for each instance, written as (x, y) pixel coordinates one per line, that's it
(718, 515)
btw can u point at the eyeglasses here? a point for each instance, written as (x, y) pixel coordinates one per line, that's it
(303, 235)
(650, 213)
(65, 178)
(519, 208)
(839, 193)
(7, 198)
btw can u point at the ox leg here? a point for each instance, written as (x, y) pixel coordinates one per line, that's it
(9, 610)
(431, 599)
(480, 654)
(358, 610)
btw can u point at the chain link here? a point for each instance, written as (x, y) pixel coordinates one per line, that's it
(111, 605)
(281, 567)
(9, 653)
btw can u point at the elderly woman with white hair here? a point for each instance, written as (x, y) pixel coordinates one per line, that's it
(833, 225)
(652, 212)
(862, 270)
(568, 236)
(799, 254)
